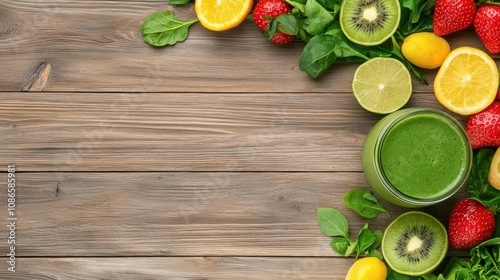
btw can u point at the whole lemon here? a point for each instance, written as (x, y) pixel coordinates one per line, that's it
(425, 49)
(369, 268)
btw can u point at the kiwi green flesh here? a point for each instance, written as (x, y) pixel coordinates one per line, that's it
(415, 243)
(369, 22)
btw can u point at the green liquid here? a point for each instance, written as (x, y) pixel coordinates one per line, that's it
(423, 156)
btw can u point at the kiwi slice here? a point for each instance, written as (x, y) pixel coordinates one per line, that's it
(369, 22)
(414, 243)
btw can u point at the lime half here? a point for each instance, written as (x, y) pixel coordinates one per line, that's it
(382, 85)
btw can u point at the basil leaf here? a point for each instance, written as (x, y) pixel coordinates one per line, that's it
(479, 187)
(162, 28)
(177, 2)
(364, 203)
(365, 240)
(351, 248)
(340, 245)
(318, 18)
(332, 222)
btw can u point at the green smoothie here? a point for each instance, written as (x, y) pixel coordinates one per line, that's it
(416, 157)
(423, 156)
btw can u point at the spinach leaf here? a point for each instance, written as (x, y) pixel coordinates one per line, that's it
(177, 2)
(318, 18)
(393, 275)
(162, 28)
(332, 222)
(363, 202)
(416, 16)
(479, 187)
(323, 50)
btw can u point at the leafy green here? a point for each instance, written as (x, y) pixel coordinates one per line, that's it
(416, 16)
(479, 187)
(177, 2)
(334, 224)
(363, 202)
(318, 18)
(162, 28)
(484, 263)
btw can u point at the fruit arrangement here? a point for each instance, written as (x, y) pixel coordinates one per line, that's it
(400, 37)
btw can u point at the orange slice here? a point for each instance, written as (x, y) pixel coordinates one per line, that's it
(220, 15)
(467, 81)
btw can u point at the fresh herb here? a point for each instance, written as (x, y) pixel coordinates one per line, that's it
(162, 28)
(479, 187)
(416, 16)
(363, 202)
(334, 224)
(393, 275)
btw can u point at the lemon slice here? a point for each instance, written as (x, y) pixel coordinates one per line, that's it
(467, 81)
(220, 15)
(382, 85)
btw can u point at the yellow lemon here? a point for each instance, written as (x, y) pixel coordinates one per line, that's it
(369, 268)
(494, 173)
(220, 15)
(467, 81)
(425, 49)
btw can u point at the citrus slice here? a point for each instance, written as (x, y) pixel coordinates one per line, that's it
(382, 85)
(467, 81)
(220, 15)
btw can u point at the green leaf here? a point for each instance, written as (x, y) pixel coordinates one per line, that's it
(272, 29)
(162, 28)
(318, 18)
(363, 202)
(332, 222)
(288, 24)
(340, 245)
(479, 187)
(177, 2)
(365, 240)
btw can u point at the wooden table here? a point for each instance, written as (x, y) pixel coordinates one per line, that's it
(204, 160)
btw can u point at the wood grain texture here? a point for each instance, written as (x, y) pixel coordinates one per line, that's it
(174, 268)
(96, 46)
(184, 214)
(185, 132)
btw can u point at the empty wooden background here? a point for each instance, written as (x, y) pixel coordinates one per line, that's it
(204, 160)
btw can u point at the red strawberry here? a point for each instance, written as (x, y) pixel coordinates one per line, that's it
(272, 8)
(487, 26)
(483, 128)
(453, 15)
(470, 224)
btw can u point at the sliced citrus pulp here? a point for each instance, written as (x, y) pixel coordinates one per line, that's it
(220, 15)
(382, 85)
(467, 81)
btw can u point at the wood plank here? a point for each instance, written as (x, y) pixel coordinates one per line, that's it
(97, 46)
(185, 132)
(179, 268)
(184, 214)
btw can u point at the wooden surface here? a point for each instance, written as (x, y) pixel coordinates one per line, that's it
(204, 160)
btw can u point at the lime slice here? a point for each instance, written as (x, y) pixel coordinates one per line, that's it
(382, 85)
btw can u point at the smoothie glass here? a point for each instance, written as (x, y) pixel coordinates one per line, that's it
(417, 157)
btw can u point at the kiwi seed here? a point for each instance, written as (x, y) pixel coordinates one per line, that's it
(369, 22)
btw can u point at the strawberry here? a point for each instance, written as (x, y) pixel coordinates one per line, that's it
(487, 26)
(272, 8)
(453, 15)
(483, 128)
(470, 223)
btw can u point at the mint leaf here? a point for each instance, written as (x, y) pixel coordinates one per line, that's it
(162, 28)
(332, 222)
(363, 202)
